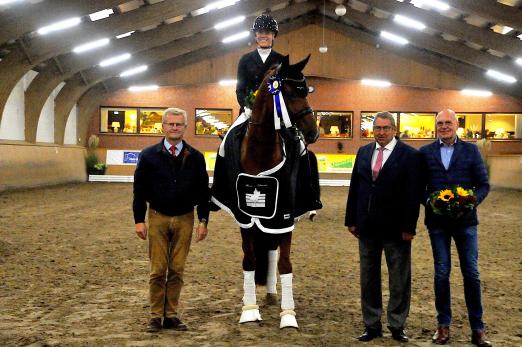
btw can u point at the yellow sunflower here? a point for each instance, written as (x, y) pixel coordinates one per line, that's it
(446, 195)
(462, 192)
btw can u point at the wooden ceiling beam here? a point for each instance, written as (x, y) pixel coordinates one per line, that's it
(493, 11)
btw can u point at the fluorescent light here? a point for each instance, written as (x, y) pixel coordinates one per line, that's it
(125, 34)
(230, 22)
(375, 83)
(501, 76)
(394, 38)
(64, 24)
(134, 71)
(213, 6)
(115, 60)
(436, 4)
(476, 92)
(236, 37)
(408, 22)
(143, 88)
(101, 14)
(5, 2)
(91, 45)
(519, 61)
(227, 82)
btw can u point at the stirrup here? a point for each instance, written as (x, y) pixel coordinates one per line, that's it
(250, 313)
(288, 319)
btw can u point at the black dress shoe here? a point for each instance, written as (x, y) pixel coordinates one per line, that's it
(369, 334)
(398, 334)
(174, 323)
(154, 325)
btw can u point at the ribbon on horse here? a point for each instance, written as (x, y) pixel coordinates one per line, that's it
(280, 110)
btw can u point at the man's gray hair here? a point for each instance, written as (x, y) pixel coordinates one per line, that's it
(385, 115)
(175, 112)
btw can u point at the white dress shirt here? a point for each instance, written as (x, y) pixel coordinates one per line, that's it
(386, 153)
(264, 53)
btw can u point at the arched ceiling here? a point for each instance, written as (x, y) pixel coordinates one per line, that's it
(468, 39)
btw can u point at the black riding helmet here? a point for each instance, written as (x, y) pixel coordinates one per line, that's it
(265, 22)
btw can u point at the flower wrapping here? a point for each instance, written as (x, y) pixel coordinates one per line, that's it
(453, 202)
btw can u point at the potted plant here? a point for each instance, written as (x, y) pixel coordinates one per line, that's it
(92, 161)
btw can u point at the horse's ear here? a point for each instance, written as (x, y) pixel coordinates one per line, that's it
(301, 65)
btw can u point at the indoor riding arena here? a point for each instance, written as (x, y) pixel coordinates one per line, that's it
(83, 90)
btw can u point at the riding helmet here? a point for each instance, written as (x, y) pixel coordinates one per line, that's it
(266, 22)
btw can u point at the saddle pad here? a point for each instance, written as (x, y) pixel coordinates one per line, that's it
(257, 195)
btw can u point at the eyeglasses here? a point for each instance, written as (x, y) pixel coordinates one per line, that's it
(446, 123)
(384, 128)
(177, 125)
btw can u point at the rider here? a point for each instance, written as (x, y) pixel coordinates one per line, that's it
(253, 66)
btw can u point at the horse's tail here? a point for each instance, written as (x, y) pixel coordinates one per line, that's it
(263, 242)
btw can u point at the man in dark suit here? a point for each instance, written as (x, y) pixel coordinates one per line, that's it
(382, 212)
(253, 66)
(452, 162)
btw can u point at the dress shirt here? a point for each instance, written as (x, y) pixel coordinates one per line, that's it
(179, 146)
(264, 53)
(446, 151)
(385, 154)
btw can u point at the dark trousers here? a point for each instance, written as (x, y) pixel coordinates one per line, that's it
(398, 260)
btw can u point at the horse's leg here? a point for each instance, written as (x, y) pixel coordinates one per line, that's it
(285, 270)
(271, 278)
(250, 312)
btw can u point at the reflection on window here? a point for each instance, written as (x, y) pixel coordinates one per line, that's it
(151, 121)
(213, 121)
(367, 123)
(503, 126)
(417, 125)
(470, 125)
(118, 120)
(334, 123)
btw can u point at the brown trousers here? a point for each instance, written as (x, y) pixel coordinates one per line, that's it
(169, 244)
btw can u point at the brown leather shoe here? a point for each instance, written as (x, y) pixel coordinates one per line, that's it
(174, 323)
(441, 336)
(154, 325)
(478, 337)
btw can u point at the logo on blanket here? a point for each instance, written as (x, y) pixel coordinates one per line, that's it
(257, 195)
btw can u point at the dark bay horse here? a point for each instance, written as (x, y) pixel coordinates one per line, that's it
(266, 161)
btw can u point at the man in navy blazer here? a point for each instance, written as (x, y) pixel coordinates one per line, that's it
(452, 162)
(382, 211)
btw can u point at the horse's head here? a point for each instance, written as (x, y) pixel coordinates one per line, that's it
(293, 87)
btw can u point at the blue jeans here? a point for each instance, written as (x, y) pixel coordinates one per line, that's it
(467, 248)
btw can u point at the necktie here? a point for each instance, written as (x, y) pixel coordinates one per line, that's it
(173, 150)
(378, 164)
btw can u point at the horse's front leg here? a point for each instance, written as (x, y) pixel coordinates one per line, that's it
(288, 319)
(250, 312)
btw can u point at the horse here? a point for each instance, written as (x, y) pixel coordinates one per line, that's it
(266, 182)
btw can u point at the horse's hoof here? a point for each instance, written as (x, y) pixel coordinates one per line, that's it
(271, 299)
(250, 314)
(288, 320)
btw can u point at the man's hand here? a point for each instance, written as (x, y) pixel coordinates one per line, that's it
(141, 230)
(407, 236)
(201, 232)
(353, 230)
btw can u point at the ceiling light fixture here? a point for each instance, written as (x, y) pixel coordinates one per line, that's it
(101, 14)
(409, 22)
(229, 22)
(236, 37)
(91, 45)
(518, 61)
(476, 92)
(500, 76)
(436, 4)
(5, 2)
(134, 71)
(340, 10)
(227, 82)
(129, 33)
(115, 60)
(376, 83)
(61, 25)
(143, 88)
(394, 38)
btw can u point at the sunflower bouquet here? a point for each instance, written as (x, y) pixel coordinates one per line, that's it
(453, 202)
